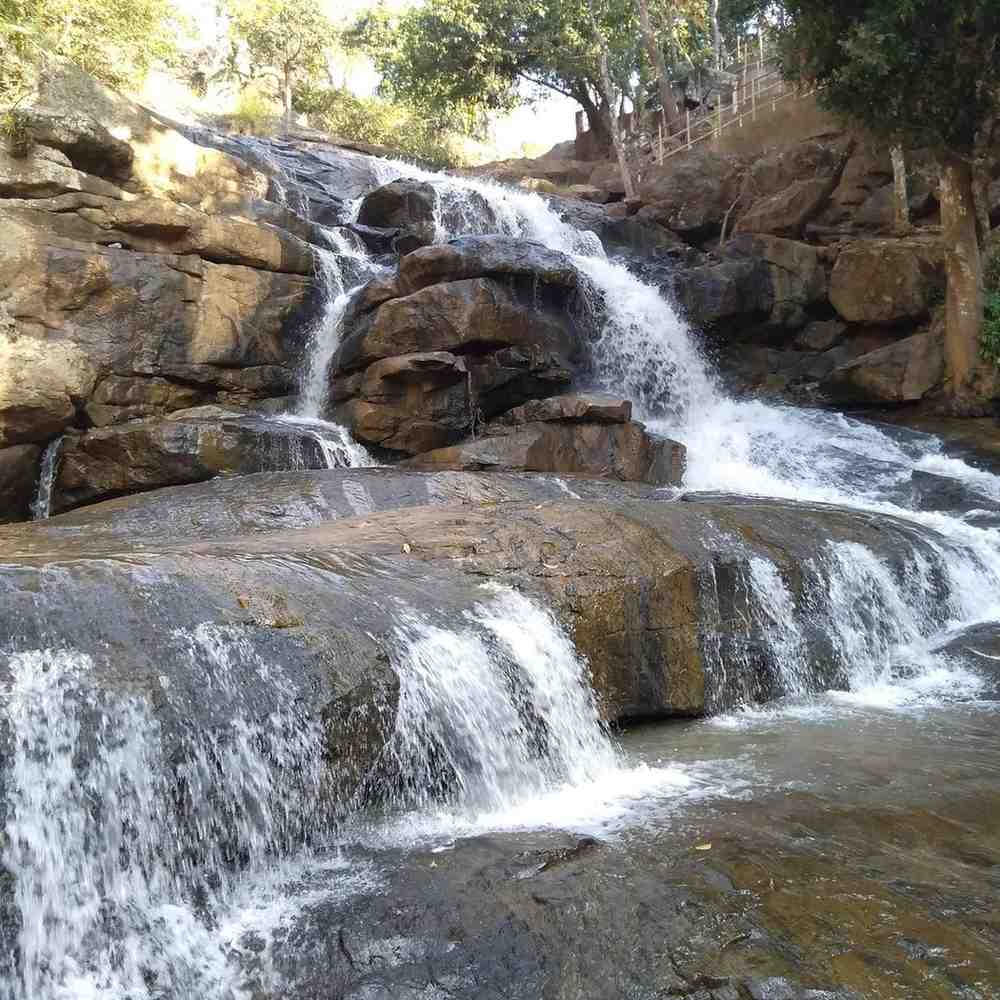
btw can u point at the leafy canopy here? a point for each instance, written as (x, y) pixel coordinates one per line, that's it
(281, 36)
(116, 41)
(927, 71)
(458, 53)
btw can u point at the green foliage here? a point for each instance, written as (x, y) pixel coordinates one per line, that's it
(117, 41)
(472, 56)
(927, 71)
(254, 112)
(989, 335)
(15, 132)
(283, 39)
(410, 132)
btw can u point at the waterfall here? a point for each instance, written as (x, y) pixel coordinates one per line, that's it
(340, 271)
(49, 468)
(646, 352)
(493, 713)
(129, 842)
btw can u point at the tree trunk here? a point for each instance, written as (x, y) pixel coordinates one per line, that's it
(616, 134)
(597, 117)
(901, 200)
(286, 98)
(967, 380)
(716, 35)
(670, 110)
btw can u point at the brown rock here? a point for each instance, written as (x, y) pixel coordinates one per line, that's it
(887, 281)
(149, 454)
(587, 192)
(608, 451)
(39, 175)
(903, 372)
(594, 408)
(412, 403)
(455, 315)
(18, 476)
(74, 313)
(691, 194)
(786, 213)
(821, 335)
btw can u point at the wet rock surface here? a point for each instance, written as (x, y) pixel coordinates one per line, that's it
(819, 891)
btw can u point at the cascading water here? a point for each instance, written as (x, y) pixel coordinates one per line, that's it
(644, 351)
(42, 502)
(128, 841)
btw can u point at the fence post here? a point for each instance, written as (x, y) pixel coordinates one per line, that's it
(688, 116)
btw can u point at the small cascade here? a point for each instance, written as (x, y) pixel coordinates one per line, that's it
(340, 271)
(41, 504)
(129, 838)
(492, 714)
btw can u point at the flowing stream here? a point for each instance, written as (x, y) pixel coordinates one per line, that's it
(163, 864)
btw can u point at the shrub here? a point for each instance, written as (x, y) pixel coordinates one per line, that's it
(409, 131)
(254, 113)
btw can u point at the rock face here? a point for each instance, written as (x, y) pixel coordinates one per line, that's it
(18, 476)
(149, 454)
(887, 281)
(462, 332)
(624, 571)
(161, 327)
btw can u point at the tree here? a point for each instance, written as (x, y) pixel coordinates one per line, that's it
(927, 73)
(116, 41)
(667, 101)
(477, 55)
(284, 40)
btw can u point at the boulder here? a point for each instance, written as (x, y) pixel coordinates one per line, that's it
(607, 176)
(796, 276)
(762, 288)
(474, 314)
(587, 192)
(787, 212)
(18, 477)
(587, 407)
(621, 451)
(481, 324)
(405, 205)
(782, 168)
(691, 194)
(888, 281)
(412, 402)
(977, 648)
(723, 295)
(149, 454)
(821, 335)
(903, 372)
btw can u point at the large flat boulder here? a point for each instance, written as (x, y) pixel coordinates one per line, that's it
(888, 281)
(903, 372)
(620, 451)
(148, 454)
